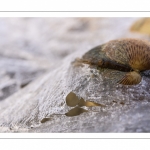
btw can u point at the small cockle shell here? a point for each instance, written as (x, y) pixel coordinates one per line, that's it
(127, 55)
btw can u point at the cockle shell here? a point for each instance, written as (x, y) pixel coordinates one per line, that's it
(127, 55)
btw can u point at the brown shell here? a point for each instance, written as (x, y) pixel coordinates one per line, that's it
(132, 52)
(131, 78)
(124, 55)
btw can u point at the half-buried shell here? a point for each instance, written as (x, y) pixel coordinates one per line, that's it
(127, 55)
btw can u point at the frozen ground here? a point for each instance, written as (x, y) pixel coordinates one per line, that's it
(37, 75)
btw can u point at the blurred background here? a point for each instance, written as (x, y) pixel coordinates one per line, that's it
(31, 46)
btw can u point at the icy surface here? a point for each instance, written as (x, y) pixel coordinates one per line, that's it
(121, 102)
(41, 105)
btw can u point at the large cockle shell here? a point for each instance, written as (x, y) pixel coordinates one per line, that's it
(126, 55)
